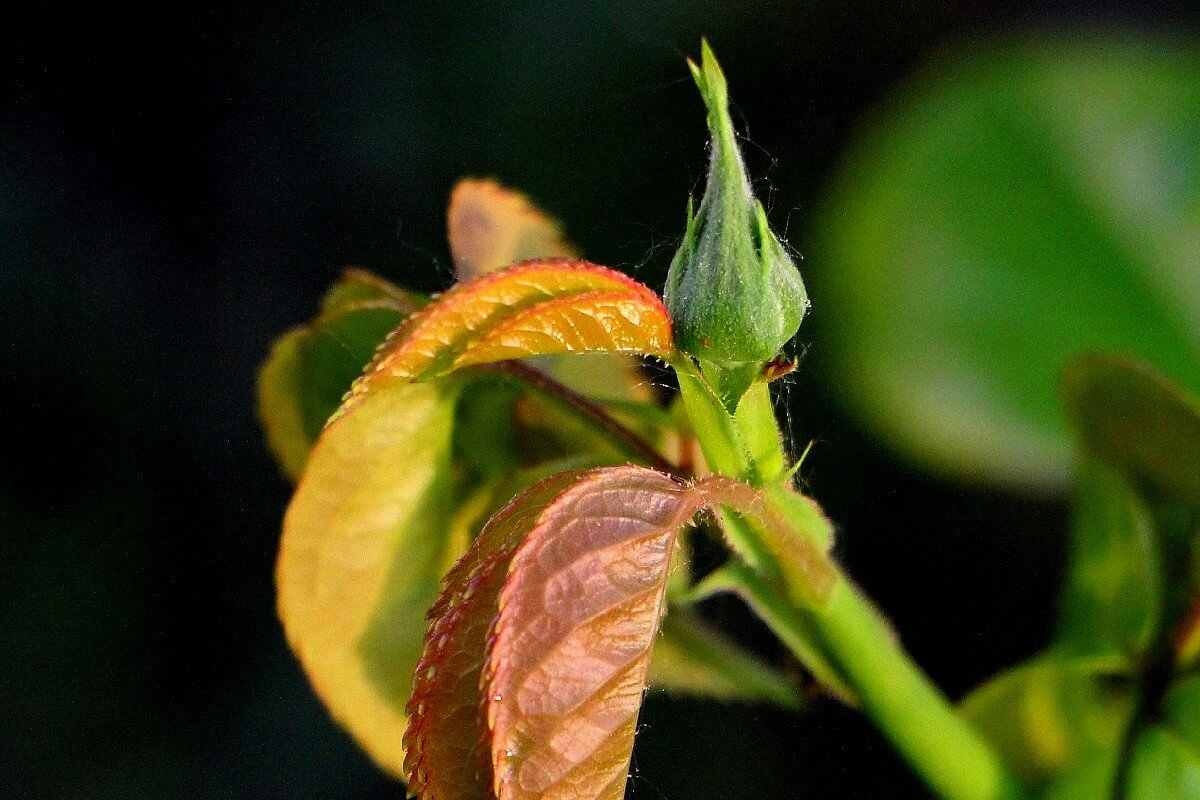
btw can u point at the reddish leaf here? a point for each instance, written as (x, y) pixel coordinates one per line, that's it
(535, 308)
(571, 578)
(447, 753)
(571, 646)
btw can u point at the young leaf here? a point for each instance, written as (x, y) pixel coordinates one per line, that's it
(447, 753)
(1112, 602)
(1132, 417)
(536, 308)
(571, 646)
(311, 368)
(491, 227)
(364, 543)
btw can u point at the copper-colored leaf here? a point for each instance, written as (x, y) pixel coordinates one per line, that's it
(491, 227)
(571, 646)
(535, 308)
(446, 742)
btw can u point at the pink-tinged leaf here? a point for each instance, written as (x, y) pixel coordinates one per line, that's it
(447, 752)
(491, 227)
(571, 645)
(535, 308)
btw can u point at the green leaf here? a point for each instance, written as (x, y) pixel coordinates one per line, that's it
(1010, 208)
(1093, 777)
(357, 286)
(691, 658)
(770, 604)
(1112, 601)
(1134, 418)
(1163, 767)
(311, 368)
(1181, 710)
(1049, 714)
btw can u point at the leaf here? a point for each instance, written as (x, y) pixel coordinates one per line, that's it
(1181, 710)
(311, 368)
(1163, 766)
(491, 227)
(447, 753)
(357, 286)
(772, 607)
(1051, 713)
(536, 308)
(365, 540)
(1130, 416)
(1112, 601)
(571, 647)
(1187, 639)
(1093, 777)
(690, 658)
(1008, 209)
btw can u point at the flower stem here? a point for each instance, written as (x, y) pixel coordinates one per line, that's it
(951, 756)
(941, 746)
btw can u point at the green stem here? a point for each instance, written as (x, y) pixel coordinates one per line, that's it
(908, 708)
(951, 756)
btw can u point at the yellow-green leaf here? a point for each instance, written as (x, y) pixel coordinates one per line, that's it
(364, 545)
(1051, 714)
(1113, 598)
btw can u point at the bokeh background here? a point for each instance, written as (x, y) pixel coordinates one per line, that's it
(178, 185)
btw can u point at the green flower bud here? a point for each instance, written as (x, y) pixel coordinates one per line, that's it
(733, 292)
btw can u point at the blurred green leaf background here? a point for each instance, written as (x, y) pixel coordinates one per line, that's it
(978, 191)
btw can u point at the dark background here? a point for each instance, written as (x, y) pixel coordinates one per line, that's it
(177, 187)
